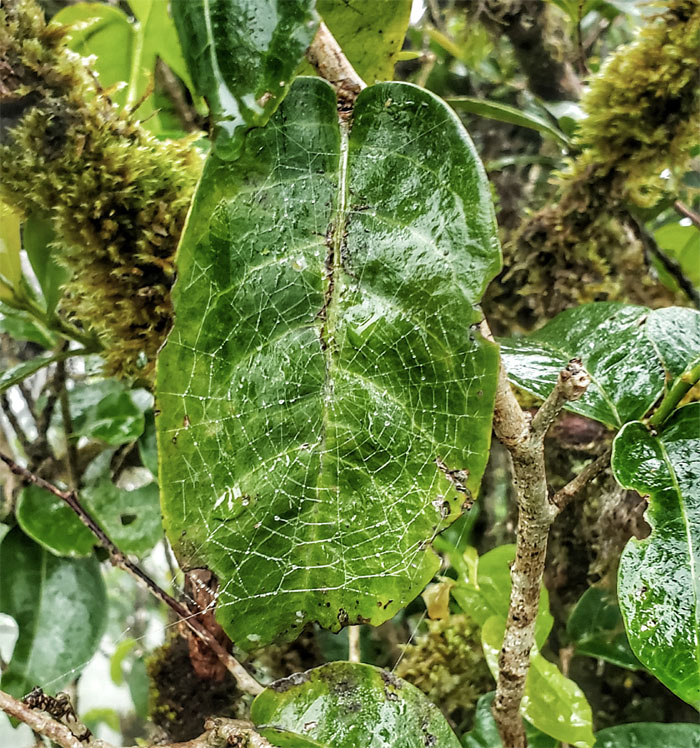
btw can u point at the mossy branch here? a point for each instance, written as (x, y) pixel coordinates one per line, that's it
(116, 195)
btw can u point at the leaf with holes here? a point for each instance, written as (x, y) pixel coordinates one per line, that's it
(346, 704)
(325, 361)
(60, 608)
(658, 580)
(242, 56)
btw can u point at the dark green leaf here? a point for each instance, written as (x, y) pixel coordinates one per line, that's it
(148, 448)
(597, 630)
(130, 518)
(115, 419)
(286, 739)
(52, 523)
(511, 115)
(370, 33)
(302, 418)
(242, 58)
(137, 681)
(59, 605)
(485, 733)
(37, 237)
(610, 338)
(649, 735)
(552, 703)
(658, 577)
(347, 705)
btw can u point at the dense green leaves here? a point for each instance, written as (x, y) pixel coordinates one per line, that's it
(324, 358)
(629, 351)
(370, 33)
(649, 735)
(658, 584)
(597, 630)
(59, 605)
(345, 705)
(242, 58)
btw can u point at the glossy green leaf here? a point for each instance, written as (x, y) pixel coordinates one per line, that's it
(610, 338)
(485, 733)
(130, 518)
(324, 357)
(681, 243)
(346, 704)
(242, 55)
(675, 334)
(115, 419)
(511, 115)
(649, 735)
(52, 523)
(552, 703)
(658, 585)
(490, 595)
(37, 238)
(60, 607)
(370, 33)
(597, 630)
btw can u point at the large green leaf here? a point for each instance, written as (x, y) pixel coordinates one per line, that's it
(552, 702)
(649, 735)
(659, 577)
(37, 237)
(324, 357)
(629, 351)
(597, 630)
(59, 605)
(346, 705)
(370, 33)
(242, 55)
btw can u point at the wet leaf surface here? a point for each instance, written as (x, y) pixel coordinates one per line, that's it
(345, 705)
(324, 358)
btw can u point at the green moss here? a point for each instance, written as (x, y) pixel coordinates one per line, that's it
(447, 664)
(117, 196)
(643, 115)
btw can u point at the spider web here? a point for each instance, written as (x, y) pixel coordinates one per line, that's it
(323, 390)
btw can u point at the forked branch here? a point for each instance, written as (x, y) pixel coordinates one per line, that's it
(524, 438)
(245, 681)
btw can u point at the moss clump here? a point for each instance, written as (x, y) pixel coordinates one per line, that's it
(116, 195)
(447, 664)
(643, 115)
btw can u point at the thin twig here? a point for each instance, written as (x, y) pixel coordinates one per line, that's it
(524, 439)
(564, 495)
(218, 731)
(671, 266)
(71, 448)
(245, 681)
(354, 651)
(683, 210)
(20, 433)
(331, 63)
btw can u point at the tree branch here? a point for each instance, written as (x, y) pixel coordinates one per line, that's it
(683, 210)
(564, 495)
(245, 681)
(218, 731)
(331, 63)
(524, 440)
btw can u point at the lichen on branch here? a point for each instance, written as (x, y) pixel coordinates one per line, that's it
(116, 195)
